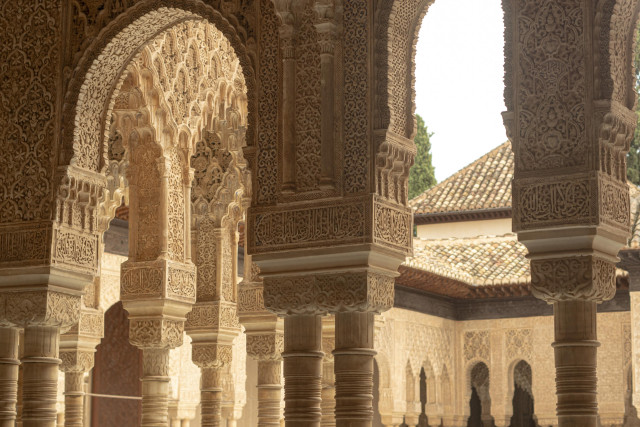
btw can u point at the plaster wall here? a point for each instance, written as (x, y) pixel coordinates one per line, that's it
(417, 340)
(492, 227)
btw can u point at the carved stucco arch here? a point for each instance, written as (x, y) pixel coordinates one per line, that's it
(510, 371)
(386, 407)
(95, 78)
(468, 383)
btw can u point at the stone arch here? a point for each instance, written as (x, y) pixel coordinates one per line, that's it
(520, 394)
(477, 377)
(385, 391)
(98, 72)
(430, 382)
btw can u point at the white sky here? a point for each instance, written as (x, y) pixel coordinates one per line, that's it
(459, 70)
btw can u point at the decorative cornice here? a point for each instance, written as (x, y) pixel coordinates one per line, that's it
(459, 216)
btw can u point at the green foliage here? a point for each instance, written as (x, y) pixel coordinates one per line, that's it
(422, 175)
(633, 158)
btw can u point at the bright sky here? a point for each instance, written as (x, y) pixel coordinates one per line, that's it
(459, 70)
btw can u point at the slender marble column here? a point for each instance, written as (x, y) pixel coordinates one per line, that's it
(269, 392)
(155, 387)
(74, 399)
(302, 370)
(9, 367)
(575, 354)
(211, 396)
(40, 376)
(354, 369)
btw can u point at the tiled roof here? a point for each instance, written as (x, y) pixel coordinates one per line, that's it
(484, 184)
(478, 261)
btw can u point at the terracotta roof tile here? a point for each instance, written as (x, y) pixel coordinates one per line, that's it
(478, 261)
(484, 184)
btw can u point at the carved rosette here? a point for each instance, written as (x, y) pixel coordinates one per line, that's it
(156, 333)
(573, 278)
(333, 292)
(211, 355)
(265, 346)
(159, 278)
(44, 308)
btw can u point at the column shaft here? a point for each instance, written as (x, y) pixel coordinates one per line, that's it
(328, 394)
(575, 355)
(40, 376)
(74, 399)
(155, 387)
(269, 393)
(354, 369)
(211, 396)
(9, 367)
(302, 370)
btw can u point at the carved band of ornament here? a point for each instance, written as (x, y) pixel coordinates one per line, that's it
(616, 125)
(266, 346)
(615, 206)
(76, 250)
(42, 308)
(310, 226)
(24, 246)
(76, 360)
(251, 300)
(165, 333)
(573, 278)
(155, 362)
(476, 345)
(182, 282)
(322, 293)
(211, 355)
(393, 226)
(138, 281)
(555, 201)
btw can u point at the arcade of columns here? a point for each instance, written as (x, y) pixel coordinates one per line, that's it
(297, 115)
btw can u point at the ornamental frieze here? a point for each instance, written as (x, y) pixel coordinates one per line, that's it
(25, 245)
(159, 278)
(291, 228)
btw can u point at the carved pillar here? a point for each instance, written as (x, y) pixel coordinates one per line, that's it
(265, 343)
(630, 261)
(75, 364)
(288, 102)
(158, 281)
(321, 251)
(328, 375)
(9, 367)
(213, 322)
(570, 126)
(326, 29)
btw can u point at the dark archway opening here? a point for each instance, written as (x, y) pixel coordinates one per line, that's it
(423, 421)
(475, 406)
(523, 413)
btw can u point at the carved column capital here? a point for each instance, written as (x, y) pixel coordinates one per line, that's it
(42, 308)
(155, 333)
(211, 355)
(75, 360)
(329, 292)
(266, 346)
(573, 278)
